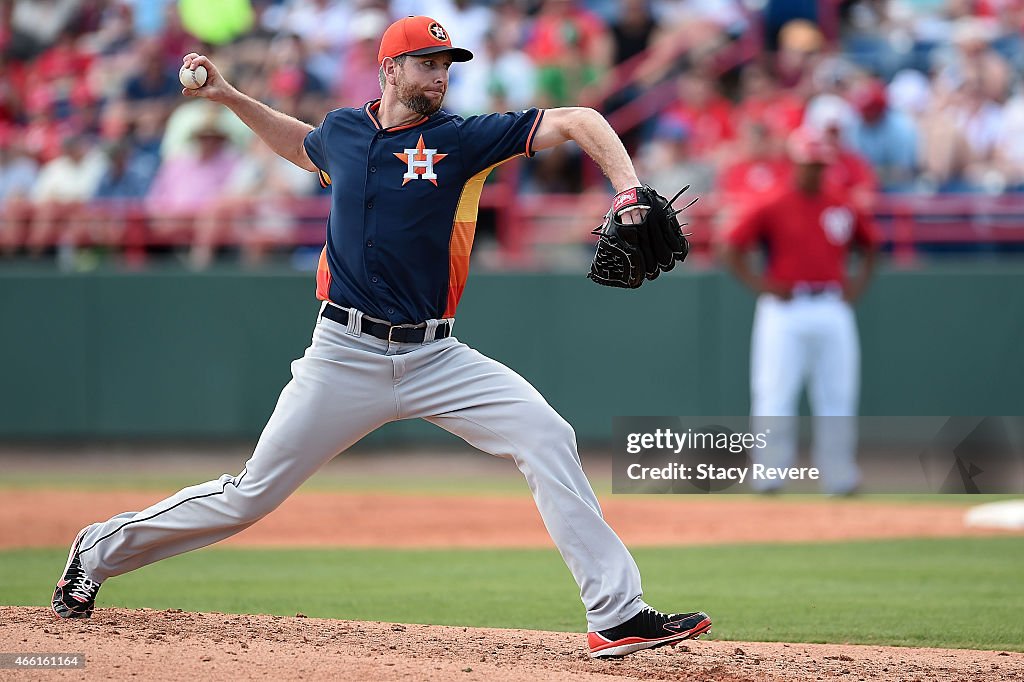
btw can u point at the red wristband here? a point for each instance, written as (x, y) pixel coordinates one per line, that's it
(627, 200)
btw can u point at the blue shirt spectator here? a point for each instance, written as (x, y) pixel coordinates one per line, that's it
(128, 176)
(150, 15)
(887, 138)
(156, 79)
(18, 170)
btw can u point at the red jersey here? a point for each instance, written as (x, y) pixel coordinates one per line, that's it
(807, 237)
(782, 112)
(62, 61)
(710, 125)
(557, 36)
(753, 180)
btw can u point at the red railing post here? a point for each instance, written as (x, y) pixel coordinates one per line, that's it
(903, 250)
(135, 237)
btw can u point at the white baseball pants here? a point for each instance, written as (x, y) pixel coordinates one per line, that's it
(346, 385)
(813, 340)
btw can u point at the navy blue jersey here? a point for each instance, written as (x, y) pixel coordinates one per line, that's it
(404, 205)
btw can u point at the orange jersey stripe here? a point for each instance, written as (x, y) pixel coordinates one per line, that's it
(463, 231)
(407, 125)
(529, 138)
(323, 277)
(459, 250)
(371, 110)
(458, 272)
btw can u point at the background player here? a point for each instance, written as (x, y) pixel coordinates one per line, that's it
(804, 326)
(406, 178)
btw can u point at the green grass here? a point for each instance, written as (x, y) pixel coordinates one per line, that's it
(330, 480)
(966, 593)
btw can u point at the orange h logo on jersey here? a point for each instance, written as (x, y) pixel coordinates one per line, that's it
(420, 163)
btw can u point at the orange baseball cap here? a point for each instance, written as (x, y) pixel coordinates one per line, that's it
(419, 36)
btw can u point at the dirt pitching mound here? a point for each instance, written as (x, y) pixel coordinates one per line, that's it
(148, 644)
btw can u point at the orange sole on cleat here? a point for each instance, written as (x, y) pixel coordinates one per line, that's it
(624, 647)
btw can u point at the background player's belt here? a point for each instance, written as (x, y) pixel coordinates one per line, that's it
(387, 332)
(816, 288)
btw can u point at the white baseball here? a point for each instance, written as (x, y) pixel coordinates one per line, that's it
(192, 79)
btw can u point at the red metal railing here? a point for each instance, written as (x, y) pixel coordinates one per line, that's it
(526, 223)
(905, 221)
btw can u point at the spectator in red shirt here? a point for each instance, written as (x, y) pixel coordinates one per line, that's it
(759, 172)
(13, 79)
(571, 49)
(704, 112)
(289, 82)
(763, 101)
(63, 60)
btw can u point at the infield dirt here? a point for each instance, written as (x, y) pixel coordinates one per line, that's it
(147, 644)
(51, 518)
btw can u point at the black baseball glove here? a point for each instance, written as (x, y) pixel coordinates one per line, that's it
(628, 254)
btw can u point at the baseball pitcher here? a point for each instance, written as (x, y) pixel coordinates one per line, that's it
(405, 179)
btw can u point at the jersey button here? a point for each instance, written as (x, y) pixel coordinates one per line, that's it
(373, 169)
(391, 311)
(369, 204)
(374, 279)
(369, 243)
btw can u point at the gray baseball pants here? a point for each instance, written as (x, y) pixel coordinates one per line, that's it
(348, 384)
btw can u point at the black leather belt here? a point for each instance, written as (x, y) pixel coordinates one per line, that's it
(387, 332)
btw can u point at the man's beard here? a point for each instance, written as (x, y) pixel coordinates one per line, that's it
(417, 101)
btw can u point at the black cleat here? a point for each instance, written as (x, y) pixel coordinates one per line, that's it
(75, 595)
(647, 630)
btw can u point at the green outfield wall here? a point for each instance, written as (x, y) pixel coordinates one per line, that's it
(180, 355)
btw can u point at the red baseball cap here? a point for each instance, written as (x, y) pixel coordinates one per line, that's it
(419, 36)
(807, 145)
(871, 100)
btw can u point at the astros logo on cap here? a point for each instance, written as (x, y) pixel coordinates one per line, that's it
(438, 32)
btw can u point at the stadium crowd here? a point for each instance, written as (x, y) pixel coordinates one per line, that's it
(920, 95)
